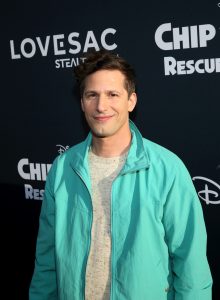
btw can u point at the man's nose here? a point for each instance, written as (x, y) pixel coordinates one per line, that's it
(102, 103)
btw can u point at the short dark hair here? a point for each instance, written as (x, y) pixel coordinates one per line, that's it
(104, 60)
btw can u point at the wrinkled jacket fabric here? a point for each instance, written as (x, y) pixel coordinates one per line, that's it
(158, 234)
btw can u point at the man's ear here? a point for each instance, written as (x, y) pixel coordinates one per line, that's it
(132, 102)
(82, 105)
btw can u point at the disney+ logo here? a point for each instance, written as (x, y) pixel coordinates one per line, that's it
(211, 191)
(62, 148)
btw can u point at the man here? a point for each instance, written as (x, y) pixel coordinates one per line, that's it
(120, 217)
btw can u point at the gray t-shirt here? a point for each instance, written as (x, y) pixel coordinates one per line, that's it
(98, 273)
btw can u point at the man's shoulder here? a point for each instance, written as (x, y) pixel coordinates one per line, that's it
(76, 148)
(166, 164)
(154, 151)
(161, 155)
(70, 153)
(62, 165)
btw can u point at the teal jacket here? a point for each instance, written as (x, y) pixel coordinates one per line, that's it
(157, 229)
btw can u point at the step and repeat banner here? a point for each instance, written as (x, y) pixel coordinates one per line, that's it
(175, 50)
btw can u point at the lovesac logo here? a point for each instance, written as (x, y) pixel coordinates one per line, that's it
(62, 45)
(168, 38)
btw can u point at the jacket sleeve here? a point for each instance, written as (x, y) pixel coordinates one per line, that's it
(43, 284)
(186, 238)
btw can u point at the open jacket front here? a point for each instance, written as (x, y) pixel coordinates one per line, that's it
(158, 234)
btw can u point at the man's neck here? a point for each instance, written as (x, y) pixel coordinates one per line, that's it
(111, 146)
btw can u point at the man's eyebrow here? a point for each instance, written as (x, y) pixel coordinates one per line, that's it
(107, 91)
(114, 91)
(90, 91)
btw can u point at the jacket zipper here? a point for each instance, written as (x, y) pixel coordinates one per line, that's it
(112, 292)
(89, 242)
(112, 249)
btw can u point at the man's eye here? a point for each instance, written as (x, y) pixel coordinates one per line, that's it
(91, 96)
(113, 94)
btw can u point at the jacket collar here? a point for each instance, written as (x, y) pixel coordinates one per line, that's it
(137, 155)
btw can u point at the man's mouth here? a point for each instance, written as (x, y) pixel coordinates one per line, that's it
(102, 118)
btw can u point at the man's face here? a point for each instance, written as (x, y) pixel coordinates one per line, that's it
(106, 104)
